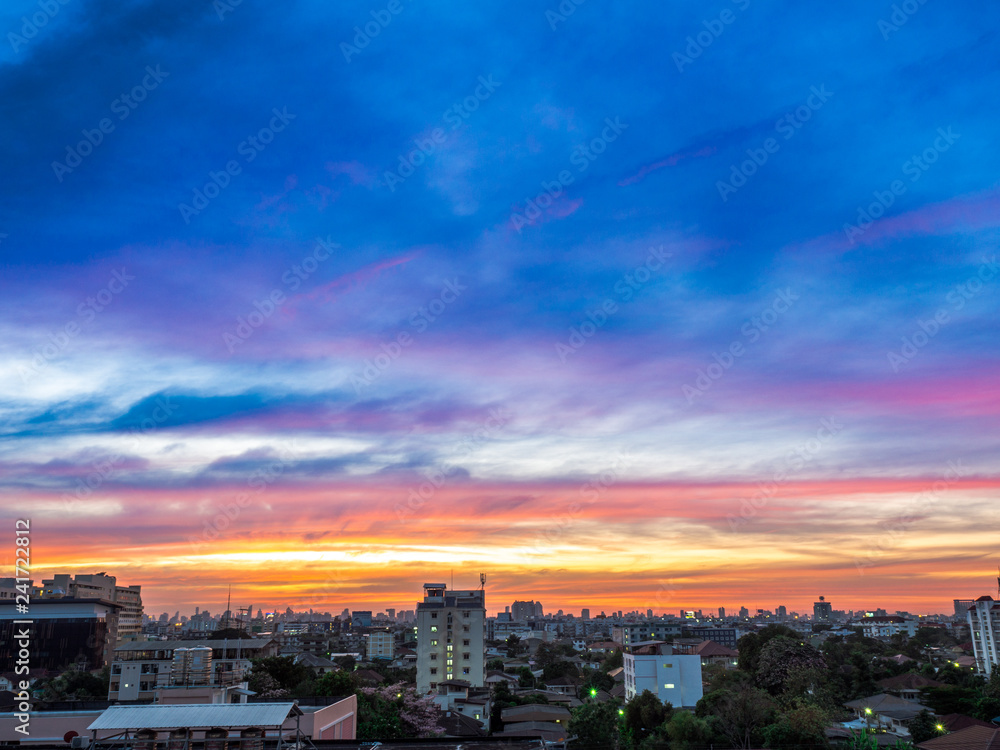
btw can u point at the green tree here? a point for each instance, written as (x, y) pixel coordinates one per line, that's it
(750, 645)
(596, 679)
(950, 699)
(496, 664)
(644, 714)
(336, 683)
(684, 731)
(525, 678)
(513, 645)
(788, 665)
(743, 714)
(281, 669)
(801, 727)
(923, 727)
(595, 725)
(613, 660)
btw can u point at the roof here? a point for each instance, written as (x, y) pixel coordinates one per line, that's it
(455, 724)
(534, 712)
(711, 648)
(970, 738)
(311, 660)
(195, 716)
(233, 643)
(883, 702)
(955, 722)
(908, 681)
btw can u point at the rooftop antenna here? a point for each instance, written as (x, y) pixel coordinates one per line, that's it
(229, 598)
(482, 581)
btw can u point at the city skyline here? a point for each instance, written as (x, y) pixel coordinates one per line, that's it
(623, 307)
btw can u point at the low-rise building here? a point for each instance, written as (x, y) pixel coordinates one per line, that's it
(672, 677)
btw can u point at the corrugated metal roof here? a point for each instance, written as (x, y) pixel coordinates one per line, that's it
(195, 716)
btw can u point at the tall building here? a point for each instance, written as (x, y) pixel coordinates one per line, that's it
(722, 613)
(522, 611)
(984, 624)
(450, 636)
(65, 632)
(584, 614)
(101, 586)
(822, 610)
(962, 608)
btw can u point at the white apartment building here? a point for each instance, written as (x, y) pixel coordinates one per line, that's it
(671, 677)
(450, 635)
(886, 627)
(984, 624)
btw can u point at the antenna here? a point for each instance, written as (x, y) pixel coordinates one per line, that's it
(482, 581)
(229, 598)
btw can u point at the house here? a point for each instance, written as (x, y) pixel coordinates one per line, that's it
(956, 722)
(495, 676)
(564, 685)
(907, 686)
(970, 738)
(455, 724)
(319, 665)
(604, 647)
(888, 712)
(536, 719)
(458, 696)
(715, 653)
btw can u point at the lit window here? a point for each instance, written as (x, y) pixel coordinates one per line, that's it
(668, 685)
(449, 664)
(450, 647)
(434, 628)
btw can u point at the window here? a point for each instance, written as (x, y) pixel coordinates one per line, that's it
(434, 615)
(449, 662)
(465, 656)
(668, 685)
(434, 670)
(465, 628)
(465, 670)
(668, 666)
(434, 656)
(450, 647)
(465, 642)
(434, 628)
(434, 642)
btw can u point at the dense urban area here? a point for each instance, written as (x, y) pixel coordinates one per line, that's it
(102, 671)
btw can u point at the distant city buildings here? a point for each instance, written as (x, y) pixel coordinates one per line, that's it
(822, 610)
(522, 611)
(450, 637)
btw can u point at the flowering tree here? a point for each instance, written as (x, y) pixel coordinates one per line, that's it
(395, 712)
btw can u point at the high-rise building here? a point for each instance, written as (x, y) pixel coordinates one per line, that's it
(722, 613)
(984, 624)
(380, 645)
(450, 634)
(522, 611)
(128, 624)
(822, 610)
(65, 632)
(962, 608)
(584, 614)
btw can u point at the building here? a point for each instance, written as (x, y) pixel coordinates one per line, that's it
(522, 611)
(141, 668)
(101, 586)
(962, 608)
(639, 632)
(984, 624)
(65, 632)
(970, 738)
(724, 636)
(450, 637)
(822, 610)
(380, 644)
(654, 666)
(361, 618)
(584, 614)
(886, 627)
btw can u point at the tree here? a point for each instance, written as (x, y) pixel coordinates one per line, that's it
(395, 712)
(560, 669)
(751, 644)
(525, 678)
(594, 678)
(595, 725)
(644, 714)
(282, 669)
(684, 731)
(801, 727)
(950, 699)
(336, 683)
(513, 645)
(743, 714)
(613, 661)
(923, 727)
(788, 665)
(75, 685)
(496, 664)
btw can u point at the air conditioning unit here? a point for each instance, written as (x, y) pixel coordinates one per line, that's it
(79, 743)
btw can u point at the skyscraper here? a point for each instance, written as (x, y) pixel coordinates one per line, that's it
(450, 635)
(822, 610)
(984, 624)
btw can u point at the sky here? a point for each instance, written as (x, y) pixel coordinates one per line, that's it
(623, 306)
